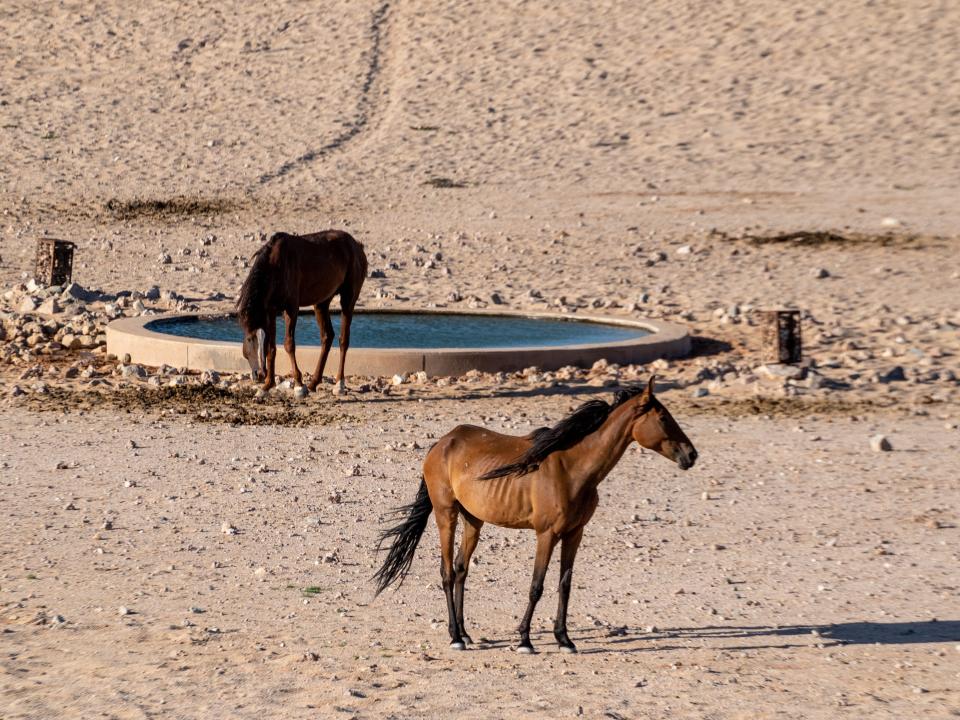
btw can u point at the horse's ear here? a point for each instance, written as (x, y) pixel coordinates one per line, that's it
(648, 393)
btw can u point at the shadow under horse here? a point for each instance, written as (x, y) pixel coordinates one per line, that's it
(546, 481)
(287, 273)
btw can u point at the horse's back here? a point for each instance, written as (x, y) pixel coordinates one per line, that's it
(471, 446)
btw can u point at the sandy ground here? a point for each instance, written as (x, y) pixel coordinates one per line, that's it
(629, 159)
(818, 579)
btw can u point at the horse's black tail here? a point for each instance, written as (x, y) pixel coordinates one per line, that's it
(406, 537)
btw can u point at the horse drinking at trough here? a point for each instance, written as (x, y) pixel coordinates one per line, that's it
(291, 271)
(545, 481)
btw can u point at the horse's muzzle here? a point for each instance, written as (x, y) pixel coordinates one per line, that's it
(686, 456)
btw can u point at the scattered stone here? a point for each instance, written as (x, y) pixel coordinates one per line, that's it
(133, 371)
(124, 611)
(819, 273)
(894, 374)
(684, 250)
(777, 370)
(164, 258)
(27, 305)
(699, 392)
(879, 443)
(50, 306)
(77, 292)
(228, 529)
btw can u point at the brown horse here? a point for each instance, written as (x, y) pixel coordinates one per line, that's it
(291, 271)
(546, 481)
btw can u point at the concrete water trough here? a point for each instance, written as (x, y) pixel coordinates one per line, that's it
(387, 342)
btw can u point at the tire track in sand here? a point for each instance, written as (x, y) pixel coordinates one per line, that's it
(365, 104)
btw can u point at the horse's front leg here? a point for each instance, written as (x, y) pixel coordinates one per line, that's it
(545, 543)
(271, 352)
(322, 312)
(290, 344)
(346, 316)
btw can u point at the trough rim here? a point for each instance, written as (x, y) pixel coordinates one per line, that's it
(149, 347)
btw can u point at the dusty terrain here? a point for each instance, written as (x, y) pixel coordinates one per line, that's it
(660, 159)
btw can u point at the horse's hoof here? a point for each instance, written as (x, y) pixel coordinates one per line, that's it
(339, 389)
(569, 649)
(260, 393)
(299, 392)
(458, 646)
(467, 639)
(525, 649)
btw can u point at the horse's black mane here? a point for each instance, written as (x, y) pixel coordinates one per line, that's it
(252, 302)
(568, 432)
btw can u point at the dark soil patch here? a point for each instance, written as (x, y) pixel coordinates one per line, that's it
(818, 238)
(444, 183)
(201, 403)
(786, 407)
(179, 206)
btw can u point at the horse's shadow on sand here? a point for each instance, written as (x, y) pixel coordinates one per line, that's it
(751, 637)
(758, 637)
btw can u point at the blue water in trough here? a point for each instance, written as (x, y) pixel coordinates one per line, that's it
(421, 330)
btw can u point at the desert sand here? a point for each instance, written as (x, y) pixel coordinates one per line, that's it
(172, 547)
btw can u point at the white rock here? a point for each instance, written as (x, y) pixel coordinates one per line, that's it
(133, 371)
(399, 379)
(50, 306)
(684, 250)
(777, 370)
(879, 443)
(27, 305)
(890, 222)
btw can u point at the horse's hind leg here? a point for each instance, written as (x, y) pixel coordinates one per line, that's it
(290, 344)
(461, 566)
(568, 553)
(322, 313)
(545, 543)
(447, 525)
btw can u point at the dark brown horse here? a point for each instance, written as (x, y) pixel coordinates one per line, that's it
(546, 481)
(291, 271)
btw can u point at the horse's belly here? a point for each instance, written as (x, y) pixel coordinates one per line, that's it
(502, 502)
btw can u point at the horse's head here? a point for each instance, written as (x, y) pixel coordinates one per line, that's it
(254, 350)
(655, 429)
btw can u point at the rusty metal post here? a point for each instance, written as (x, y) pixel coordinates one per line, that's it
(780, 336)
(54, 264)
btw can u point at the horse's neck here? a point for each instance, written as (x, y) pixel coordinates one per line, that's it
(592, 459)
